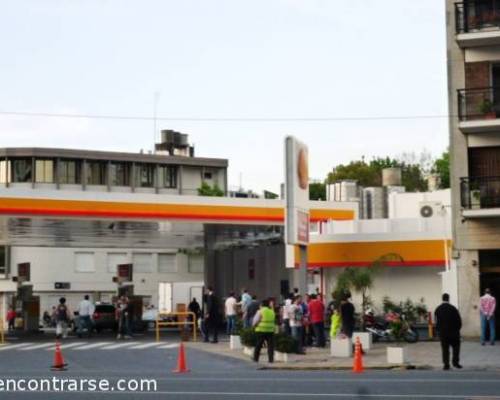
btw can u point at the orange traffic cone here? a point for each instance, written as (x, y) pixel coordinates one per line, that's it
(181, 361)
(59, 364)
(358, 358)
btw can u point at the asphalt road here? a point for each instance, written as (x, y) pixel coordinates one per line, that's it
(216, 377)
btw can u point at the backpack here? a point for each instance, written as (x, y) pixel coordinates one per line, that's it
(298, 314)
(62, 314)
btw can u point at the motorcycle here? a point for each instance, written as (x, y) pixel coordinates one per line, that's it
(384, 328)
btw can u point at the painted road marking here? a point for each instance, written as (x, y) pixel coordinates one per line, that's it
(146, 345)
(118, 345)
(92, 345)
(169, 346)
(68, 346)
(14, 346)
(37, 346)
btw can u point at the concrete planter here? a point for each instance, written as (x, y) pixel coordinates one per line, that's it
(397, 355)
(365, 338)
(341, 348)
(248, 351)
(279, 356)
(235, 342)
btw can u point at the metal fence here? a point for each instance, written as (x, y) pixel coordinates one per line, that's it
(476, 15)
(480, 192)
(480, 103)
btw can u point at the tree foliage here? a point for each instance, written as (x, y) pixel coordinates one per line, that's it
(360, 279)
(317, 191)
(442, 168)
(207, 190)
(370, 173)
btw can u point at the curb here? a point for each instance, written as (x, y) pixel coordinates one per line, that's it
(347, 368)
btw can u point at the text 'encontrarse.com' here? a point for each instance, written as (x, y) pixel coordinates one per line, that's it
(55, 384)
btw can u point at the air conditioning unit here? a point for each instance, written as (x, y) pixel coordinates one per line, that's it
(429, 209)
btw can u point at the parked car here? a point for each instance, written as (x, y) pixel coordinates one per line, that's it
(104, 317)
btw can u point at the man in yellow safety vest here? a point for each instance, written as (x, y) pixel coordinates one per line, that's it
(264, 323)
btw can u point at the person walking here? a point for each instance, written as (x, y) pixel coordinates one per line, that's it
(11, 319)
(230, 311)
(487, 307)
(212, 315)
(316, 315)
(85, 312)
(264, 323)
(63, 317)
(448, 325)
(347, 315)
(123, 316)
(297, 322)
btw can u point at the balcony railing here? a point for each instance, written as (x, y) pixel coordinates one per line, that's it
(481, 103)
(477, 15)
(480, 192)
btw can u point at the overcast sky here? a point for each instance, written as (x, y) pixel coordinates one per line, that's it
(228, 59)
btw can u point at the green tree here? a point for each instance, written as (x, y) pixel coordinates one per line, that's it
(317, 191)
(207, 190)
(361, 279)
(442, 168)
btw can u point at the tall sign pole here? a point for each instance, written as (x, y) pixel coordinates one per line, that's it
(297, 204)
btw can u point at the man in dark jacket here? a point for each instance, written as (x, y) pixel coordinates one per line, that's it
(212, 315)
(448, 325)
(347, 314)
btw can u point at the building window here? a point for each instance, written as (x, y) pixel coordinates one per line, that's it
(115, 259)
(21, 170)
(207, 175)
(119, 174)
(167, 262)
(143, 262)
(3, 260)
(168, 176)
(96, 172)
(196, 264)
(145, 175)
(84, 261)
(44, 171)
(70, 172)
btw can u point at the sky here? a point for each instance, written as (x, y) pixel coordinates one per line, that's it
(336, 74)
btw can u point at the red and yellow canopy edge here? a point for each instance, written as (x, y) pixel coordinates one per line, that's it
(362, 254)
(104, 209)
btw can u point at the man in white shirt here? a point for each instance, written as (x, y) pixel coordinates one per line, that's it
(85, 311)
(230, 310)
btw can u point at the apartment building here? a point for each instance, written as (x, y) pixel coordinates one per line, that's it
(473, 41)
(72, 256)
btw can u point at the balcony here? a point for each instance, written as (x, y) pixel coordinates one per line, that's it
(480, 196)
(477, 23)
(479, 110)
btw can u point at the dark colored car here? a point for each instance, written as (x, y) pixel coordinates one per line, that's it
(104, 317)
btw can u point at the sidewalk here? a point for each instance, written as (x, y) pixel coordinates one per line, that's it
(422, 355)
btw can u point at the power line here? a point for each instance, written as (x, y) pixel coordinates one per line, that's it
(220, 119)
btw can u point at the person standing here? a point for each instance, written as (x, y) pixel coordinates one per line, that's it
(252, 309)
(212, 315)
(347, 315)
(297, 322)
(264, 323)
(194, 307)
(11, 319)
(448, 325)
(246, 299)
(285, 316)
(62, 319)
(317, 313)
(230, 310)
(487, 307)
(85, 311)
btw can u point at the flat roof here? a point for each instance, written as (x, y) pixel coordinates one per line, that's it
(43, 152)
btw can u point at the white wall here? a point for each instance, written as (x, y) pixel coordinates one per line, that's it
(406, 205)
(49, 265)
(399, 283)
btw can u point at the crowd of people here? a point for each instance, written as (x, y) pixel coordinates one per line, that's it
(305, 318)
